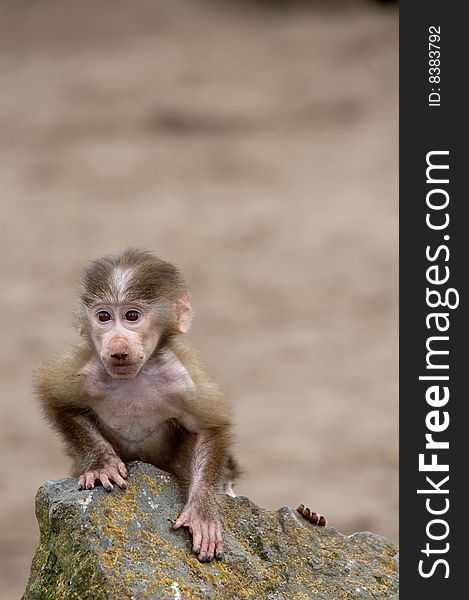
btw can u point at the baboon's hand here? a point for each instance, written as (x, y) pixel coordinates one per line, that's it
(206, 533)
(113, 470)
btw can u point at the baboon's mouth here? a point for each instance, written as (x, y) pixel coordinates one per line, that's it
(123, 371)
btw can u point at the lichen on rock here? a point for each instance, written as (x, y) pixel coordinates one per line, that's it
(96, 545)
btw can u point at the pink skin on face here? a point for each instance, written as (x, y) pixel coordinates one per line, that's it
(124, 337)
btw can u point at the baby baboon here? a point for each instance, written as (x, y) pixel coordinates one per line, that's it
(134, 390)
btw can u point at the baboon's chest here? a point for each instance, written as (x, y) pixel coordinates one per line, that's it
(134, 409)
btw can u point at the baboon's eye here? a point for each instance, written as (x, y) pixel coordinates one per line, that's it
(131, 315)
(104, 316)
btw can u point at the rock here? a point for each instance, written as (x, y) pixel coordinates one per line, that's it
(97, 545)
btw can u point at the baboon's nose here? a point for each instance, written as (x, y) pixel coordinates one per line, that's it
(119, 355)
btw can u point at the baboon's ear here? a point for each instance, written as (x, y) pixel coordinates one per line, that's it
(183, 313)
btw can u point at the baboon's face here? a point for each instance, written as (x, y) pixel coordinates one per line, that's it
(128, 305)
(125, 336)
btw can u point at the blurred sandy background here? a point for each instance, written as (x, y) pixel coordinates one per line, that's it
(257, 149)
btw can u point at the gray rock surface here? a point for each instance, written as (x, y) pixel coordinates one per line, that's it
(96, 545)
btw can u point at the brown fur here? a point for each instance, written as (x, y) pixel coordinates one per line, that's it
(152, 278)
